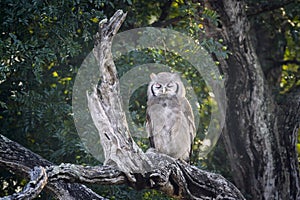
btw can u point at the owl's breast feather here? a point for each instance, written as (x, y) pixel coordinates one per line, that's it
(165, 101)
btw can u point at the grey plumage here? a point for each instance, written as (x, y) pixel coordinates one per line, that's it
(170, 121)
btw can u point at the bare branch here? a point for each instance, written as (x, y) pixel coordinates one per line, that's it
(174, 177)
(287, 62)
(106, 108)
(167, 22)
(38, 179)
(102, 175)
(20, 161)
(171, 176)
(268, 7)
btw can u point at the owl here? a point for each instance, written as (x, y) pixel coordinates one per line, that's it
(170, 120)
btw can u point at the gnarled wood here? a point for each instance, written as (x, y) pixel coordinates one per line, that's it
(106, 107)
(21, 161)
(171, 176)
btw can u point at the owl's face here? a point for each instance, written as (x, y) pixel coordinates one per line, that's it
(165, 84)
(161, 88)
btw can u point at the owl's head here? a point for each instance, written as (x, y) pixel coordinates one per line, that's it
(165, 84)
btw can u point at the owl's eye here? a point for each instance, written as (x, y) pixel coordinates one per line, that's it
(170, 85)
(157, 85)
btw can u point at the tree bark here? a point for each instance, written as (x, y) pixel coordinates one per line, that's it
(174, 177)
(260, 135)
(125, 162)
(21, 161)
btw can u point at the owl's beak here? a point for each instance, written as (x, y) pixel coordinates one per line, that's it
(164, 90)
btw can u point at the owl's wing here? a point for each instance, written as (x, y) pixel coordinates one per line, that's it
(188, 113)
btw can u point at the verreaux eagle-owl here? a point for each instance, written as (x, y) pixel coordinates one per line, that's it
(170, 120)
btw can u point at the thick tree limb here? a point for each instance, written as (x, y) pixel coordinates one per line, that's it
(106, 107)
(20, 161)
(38, 180)
(174, 177)
(125, 162)
(268, 6)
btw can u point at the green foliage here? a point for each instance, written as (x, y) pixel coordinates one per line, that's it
(211, 15)
(42, 45)
(40, 53)
(290, 78)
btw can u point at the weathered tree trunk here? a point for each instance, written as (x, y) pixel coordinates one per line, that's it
(260, 134)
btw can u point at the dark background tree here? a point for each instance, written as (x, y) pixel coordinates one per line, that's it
(261, 140)
(256, 43)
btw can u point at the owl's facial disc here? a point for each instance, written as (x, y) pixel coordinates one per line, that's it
(165, 88)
